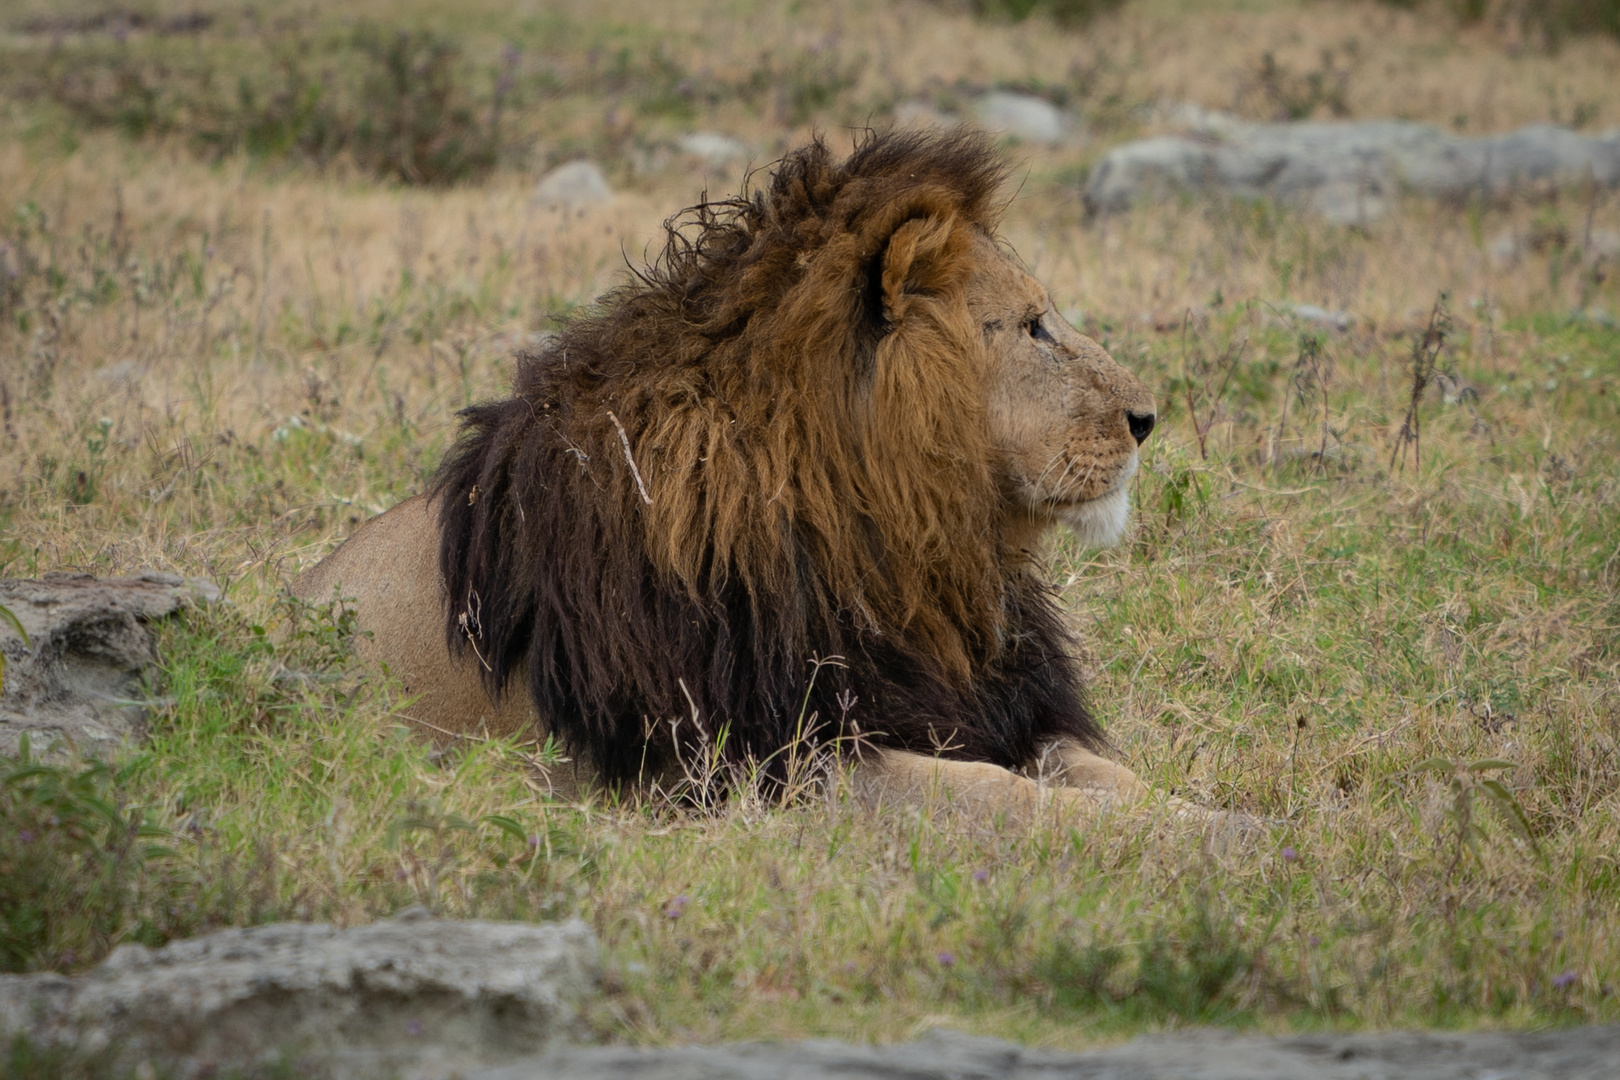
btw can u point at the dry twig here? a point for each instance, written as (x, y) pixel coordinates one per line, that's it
(624, 441)
(1425, 351)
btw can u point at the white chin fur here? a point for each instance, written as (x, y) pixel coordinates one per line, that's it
(1102, 521)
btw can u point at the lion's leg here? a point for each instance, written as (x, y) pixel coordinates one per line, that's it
(975, 787)
(991, 793)
(1072, 765)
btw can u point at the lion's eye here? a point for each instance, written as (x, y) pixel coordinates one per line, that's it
(1036, 329)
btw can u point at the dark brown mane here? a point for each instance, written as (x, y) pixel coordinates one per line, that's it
(768, 450)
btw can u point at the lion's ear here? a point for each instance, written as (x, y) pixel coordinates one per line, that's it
(923, 257)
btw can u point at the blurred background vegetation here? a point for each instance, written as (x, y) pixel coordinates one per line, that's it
(422, 97)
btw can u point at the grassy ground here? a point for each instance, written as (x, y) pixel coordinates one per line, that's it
(217, 357)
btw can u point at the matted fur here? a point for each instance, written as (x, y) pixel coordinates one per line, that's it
(769, 451)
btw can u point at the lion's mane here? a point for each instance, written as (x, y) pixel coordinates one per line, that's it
(768, 450)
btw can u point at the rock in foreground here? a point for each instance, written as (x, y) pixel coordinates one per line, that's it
(79, 677)
(411, 997)
(1576, 1054)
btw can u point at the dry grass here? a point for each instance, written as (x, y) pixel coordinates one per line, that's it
(221, 368)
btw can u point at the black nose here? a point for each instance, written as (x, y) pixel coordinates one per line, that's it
(1141, 426)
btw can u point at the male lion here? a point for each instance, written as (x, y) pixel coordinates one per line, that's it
(787, 486)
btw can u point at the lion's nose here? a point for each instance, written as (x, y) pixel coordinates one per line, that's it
(1141, 425)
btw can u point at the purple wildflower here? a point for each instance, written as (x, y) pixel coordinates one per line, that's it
(1565, 980)
(676, 907)
(1289, 854)
(947, 959)
(981, 876)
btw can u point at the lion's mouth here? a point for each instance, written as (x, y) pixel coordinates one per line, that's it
(1062, 502)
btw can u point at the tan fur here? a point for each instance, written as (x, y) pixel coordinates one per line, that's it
(1029, 398)
(388, 573)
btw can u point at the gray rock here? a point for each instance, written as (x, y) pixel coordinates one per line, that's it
(410, 997)
(1506, 250)
(120, 373)
(1023, 116)
(1197, 120)
(713, 148)
(79, 677)
(1349, 172)
(1576, 1054)
(572, 186)
(1338, 321)
(920, 114)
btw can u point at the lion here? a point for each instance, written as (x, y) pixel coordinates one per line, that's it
(787, 487)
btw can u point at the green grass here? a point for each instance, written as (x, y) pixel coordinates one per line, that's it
(1287, 640)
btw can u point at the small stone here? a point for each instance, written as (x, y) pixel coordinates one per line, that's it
(1338, 321)
(572, 186)
(121, 372)
(1594, 314)
(920, 114)
(713, 148)
(1505, 250)
(1022, 116)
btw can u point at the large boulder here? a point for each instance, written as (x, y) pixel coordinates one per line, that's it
(1349, 173)
(79, 678)
(411, 997)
